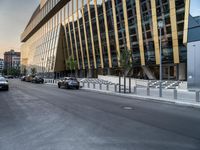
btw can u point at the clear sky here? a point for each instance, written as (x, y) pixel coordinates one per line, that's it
(14, 15)
(195, 8)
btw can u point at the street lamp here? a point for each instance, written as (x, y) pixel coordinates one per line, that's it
(160, 26)
(43, 67)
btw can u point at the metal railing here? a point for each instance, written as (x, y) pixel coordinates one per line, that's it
(172, 94)
(102, 85)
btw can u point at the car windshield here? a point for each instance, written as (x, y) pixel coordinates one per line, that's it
(72, 79)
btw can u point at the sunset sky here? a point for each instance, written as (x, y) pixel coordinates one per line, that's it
(14, 15)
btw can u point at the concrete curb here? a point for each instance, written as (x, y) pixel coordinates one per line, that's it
(146, 98)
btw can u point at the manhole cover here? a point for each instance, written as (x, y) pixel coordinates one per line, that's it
(127, 108)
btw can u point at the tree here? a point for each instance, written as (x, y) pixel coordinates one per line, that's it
(71, 64)
(125, 61)
(33, 71)
(24, 71)
(125, 65)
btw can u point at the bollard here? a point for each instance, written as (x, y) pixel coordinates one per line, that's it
(93, 85)
(175, 94)
(119, 84)
(115, 88)
(88, 85)
(124, 84)
(129, 85)
(135, 90)
(83, 84)
(197, 96)
(107, 87)
(100, 86)
(148, 91)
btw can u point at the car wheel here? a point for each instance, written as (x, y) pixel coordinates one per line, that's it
(59, 86)
(66, 86)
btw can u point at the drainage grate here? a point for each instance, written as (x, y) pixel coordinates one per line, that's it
(127, 108)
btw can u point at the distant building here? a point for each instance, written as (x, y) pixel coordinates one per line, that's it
(1, 65)
(11, 59)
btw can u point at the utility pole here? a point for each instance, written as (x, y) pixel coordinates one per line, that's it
(160, 26)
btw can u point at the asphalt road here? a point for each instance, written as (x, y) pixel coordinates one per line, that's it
(43, 117)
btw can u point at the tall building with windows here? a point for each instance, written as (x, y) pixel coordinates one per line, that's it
(11, 60)
(96, 32)
(1, 65)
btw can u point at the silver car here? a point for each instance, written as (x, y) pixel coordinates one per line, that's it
(4, 84)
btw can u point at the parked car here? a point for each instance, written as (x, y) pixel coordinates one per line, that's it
(69, 82)
(4, 84)
(10, 77)
(23, 78)
(37, 79)
(29, 78)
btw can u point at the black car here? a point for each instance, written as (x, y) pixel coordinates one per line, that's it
(23, 78)
(69, 82)
(10, 77)
(37, 79)
(4, 84)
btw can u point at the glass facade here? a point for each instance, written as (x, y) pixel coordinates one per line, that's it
(95, 32)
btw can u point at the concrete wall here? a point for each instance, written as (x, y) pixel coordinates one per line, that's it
(193, 65)
(115, 79)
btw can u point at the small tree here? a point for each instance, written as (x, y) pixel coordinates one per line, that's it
(125, 65)
(24, 71)
(125, 61)
(71, 64)
(33, 71)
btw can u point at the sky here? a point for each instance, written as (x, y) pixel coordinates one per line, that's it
(195, 8)
(14, 16)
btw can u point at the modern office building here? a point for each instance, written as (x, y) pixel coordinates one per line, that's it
(96, 32)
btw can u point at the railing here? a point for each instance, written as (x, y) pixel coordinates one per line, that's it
(105, 86)
(171, 94)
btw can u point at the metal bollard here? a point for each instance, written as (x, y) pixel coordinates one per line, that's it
(115, 88)
(124, 84)
(129, 85)
(93, 85)
(100, 86)
(83, 84)
(197, 96)
(175, 94)
(88, 85)
(148, 91)
(135, 90)
(119, 84)
(107, 87)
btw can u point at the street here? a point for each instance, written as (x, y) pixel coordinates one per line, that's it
(43, 117)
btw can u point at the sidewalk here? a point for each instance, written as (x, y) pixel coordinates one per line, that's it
(177, 97)
(180, 102)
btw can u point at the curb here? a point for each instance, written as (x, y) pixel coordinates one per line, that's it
(146, 98)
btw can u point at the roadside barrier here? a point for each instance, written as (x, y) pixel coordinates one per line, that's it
(172, 94)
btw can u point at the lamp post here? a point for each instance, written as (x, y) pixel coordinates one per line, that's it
(160, 26)
(43, 67)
